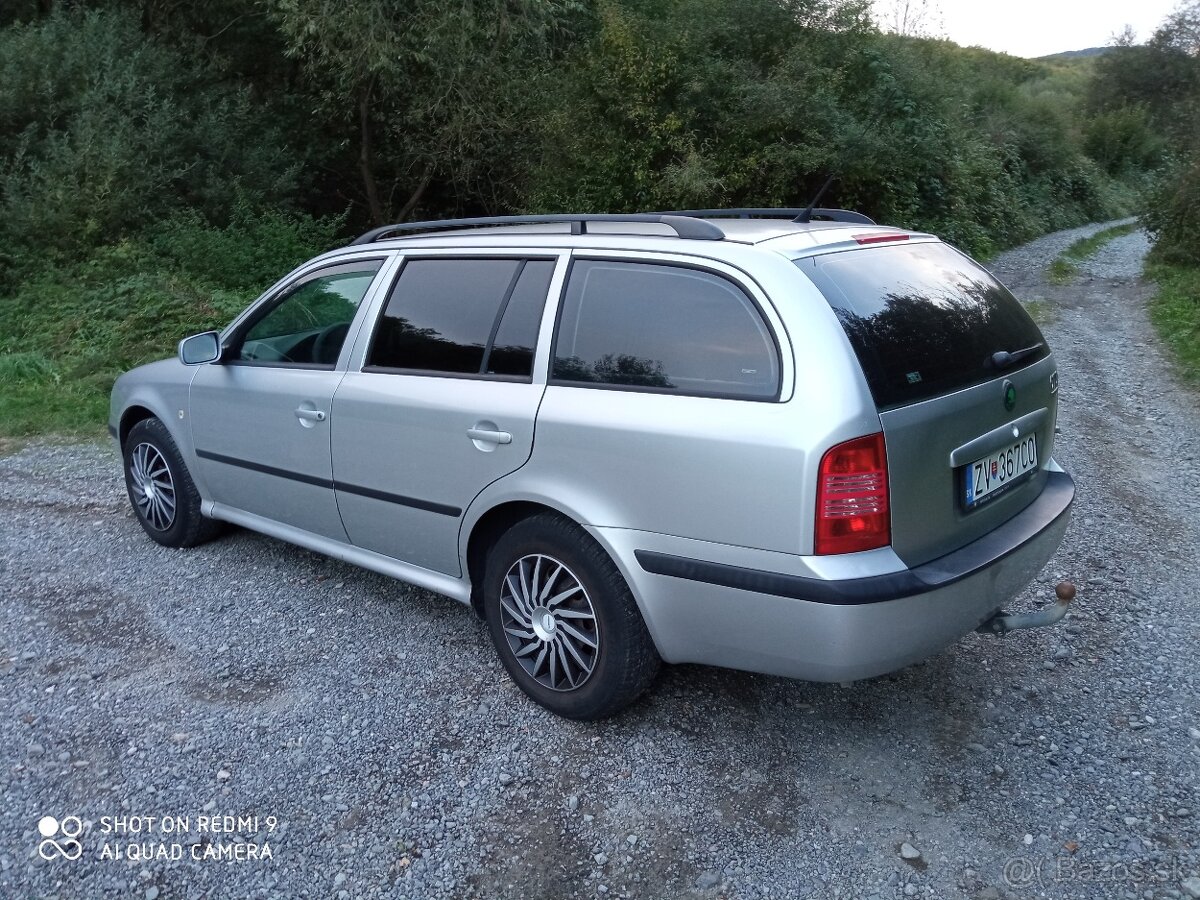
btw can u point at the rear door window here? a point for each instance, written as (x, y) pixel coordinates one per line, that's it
(463, 316)
(649, 326)
(923, 319)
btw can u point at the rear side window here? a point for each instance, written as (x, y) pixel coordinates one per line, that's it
(463, 316)
(663, 328)
(923, 319)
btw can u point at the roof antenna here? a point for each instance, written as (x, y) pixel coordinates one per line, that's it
(806, 216)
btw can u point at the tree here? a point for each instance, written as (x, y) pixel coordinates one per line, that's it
(426, 91)
(104, 130)
(1181, 30)
(913, 18)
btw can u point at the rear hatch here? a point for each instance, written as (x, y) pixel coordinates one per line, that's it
(965, 386)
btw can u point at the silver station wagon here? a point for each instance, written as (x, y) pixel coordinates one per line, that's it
(786, 441)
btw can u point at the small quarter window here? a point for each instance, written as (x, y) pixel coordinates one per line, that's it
(463, 316)
(664, 328)
(512, 348)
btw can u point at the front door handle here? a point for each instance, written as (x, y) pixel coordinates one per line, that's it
(492, 437)
(311, 415)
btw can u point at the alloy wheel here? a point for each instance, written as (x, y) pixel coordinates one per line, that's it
(549, 622)
(153, 486)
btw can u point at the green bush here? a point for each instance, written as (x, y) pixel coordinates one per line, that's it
(1123, 141)
(705, 103)
(68, 330)
(1173, 214)
(104, 130)
(254, 250)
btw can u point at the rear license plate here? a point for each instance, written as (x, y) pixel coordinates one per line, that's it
(987, 477)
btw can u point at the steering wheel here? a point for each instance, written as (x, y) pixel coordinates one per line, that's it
(328, 343)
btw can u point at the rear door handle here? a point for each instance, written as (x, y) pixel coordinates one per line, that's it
(485, 434)
(312, 415)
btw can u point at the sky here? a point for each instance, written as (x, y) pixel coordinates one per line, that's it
(1033, 27)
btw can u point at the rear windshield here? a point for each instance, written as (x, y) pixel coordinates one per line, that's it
(924, 319)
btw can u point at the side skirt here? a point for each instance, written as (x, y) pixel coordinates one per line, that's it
(455, 588)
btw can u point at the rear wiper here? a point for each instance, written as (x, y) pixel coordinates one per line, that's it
(1004, 359)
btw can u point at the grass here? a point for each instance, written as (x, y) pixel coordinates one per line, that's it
(1061, 271)
(1041, 312)
(1066, 267)
(1175, 311)
(68, 330)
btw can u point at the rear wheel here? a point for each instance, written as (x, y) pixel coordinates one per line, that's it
(161, 491)
(563, 621)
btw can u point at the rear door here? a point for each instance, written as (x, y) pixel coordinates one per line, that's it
(964, 382)
(444, 404)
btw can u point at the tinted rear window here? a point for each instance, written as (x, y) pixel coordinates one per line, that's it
(463, 316)
(923, 319)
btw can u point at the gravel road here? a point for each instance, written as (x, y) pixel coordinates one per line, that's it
(372, 733)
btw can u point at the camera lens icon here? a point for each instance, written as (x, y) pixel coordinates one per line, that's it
(71, 827)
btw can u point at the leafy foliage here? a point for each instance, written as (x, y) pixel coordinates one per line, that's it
(1172, 214)
(422, 90)
(1155, 89)
(67, 331)
(103, 130)
(160, 162)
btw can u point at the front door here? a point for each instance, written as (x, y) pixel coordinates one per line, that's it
(444, 405)
(261, 415)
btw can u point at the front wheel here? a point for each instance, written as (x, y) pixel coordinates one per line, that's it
(161, 491)
(564, 622)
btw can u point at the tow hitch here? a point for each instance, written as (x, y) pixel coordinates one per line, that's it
(1002, 623)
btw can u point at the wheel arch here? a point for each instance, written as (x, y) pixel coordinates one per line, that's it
(488, 529)
(131, 416)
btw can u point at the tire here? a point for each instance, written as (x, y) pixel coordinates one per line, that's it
(161, 491)
(596, 657)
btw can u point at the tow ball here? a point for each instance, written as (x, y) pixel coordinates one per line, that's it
(1002, 623)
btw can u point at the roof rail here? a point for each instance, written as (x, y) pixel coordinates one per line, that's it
(684, 226)
(829, 215)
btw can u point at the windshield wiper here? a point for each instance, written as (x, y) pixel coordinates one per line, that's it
(1005, 359)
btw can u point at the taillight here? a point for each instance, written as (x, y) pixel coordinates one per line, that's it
(852, 498)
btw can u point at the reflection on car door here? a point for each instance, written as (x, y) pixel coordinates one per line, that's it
(444, 405)
(260, 417)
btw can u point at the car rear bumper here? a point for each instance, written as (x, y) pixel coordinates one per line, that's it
(842, 629)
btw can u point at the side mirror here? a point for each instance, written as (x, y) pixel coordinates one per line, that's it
(200, 348)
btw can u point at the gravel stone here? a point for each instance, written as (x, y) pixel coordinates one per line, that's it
(373, 721)
(908, 851)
